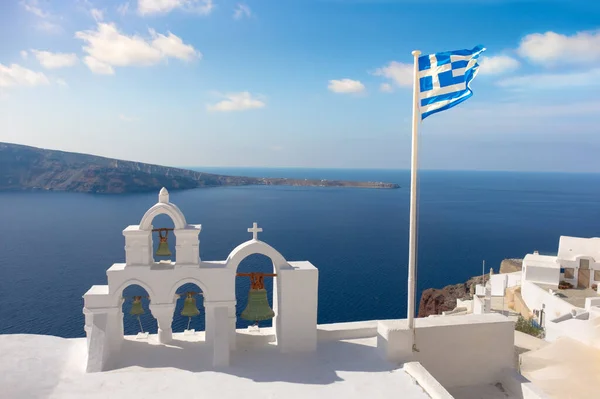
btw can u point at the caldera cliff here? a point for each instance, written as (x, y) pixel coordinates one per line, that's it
(29, 168)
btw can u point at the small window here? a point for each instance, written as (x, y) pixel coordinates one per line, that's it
(584, 263)
(569, 272)
(562, 270)
(597, 275)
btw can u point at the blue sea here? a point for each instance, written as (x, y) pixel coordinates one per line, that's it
(54, 246)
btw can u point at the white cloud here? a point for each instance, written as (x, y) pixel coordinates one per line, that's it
(553, 80)
(400, 73)
(203, 7)
(123, 8)
(241, 11)
(107, 47)
(128, 118)
(497, 65)
(32, 7)
(98, 15)
(236, 102)
(173, 46)
(16, 75)
(49, 27)
(46, 18)
(60, 82)
(346, 86)
(54, 60)
(554, 48)
(24, 54)
(386, 88)
(98, 67)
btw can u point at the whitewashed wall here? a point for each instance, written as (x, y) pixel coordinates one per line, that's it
(543, 275)
(481, 305)
(534, 297)
(457, 351)
(574, 264)
(505, 280)
(584, 326)
(581, 330)
(467, 303)
(350, 330)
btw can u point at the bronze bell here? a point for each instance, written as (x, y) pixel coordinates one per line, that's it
(258, 308)
(137, 310)
(189, 307)
(136, 306)
(163, 245)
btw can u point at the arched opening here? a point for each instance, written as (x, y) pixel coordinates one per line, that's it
(254, 263)
(195, 300)
(163, 251)
(136, 311)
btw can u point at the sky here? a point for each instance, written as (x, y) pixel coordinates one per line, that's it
(300, 83)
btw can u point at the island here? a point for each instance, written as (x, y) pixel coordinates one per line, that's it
(30, 168)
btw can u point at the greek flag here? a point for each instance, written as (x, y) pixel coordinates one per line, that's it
(444, 79)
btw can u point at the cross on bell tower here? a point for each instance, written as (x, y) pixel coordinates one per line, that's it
(255, 230)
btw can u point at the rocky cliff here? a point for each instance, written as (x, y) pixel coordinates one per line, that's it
(511, 265)
(30, 168)
(435, 301)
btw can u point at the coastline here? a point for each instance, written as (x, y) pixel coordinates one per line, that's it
(29, 168)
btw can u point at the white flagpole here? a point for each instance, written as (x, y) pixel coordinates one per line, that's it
(412, 240)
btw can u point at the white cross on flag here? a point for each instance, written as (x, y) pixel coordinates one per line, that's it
(444, 79)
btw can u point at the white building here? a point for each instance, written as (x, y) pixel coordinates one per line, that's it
(577, 262)
(543, 287)
(541, 269)
(566, 363)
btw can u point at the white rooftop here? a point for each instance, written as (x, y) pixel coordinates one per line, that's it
(36, 366)
(569, 248)
(540, 261)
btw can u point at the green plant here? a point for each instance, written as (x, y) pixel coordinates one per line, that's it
(526, 326)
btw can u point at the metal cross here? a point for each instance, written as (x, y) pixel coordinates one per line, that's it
(255, 230)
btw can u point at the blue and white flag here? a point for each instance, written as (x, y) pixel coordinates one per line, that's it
(444, 79)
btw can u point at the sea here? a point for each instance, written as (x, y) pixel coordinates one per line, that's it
(54, 246)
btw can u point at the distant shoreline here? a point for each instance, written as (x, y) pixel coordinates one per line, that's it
(24, 168)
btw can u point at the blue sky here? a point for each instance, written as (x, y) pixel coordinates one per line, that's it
(300, 83)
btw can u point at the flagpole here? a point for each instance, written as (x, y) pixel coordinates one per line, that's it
(412, 240)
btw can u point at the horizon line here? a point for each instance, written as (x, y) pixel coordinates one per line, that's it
(386, 169)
